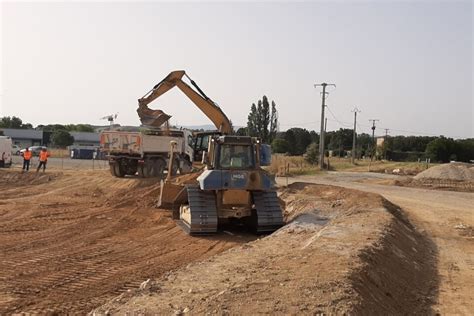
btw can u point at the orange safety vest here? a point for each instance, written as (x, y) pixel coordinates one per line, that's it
(44, 155)
(27, 155)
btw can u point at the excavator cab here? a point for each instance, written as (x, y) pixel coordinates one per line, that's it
(200, 144)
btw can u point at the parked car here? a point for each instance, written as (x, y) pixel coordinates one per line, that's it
(34, 149)
(16, 150)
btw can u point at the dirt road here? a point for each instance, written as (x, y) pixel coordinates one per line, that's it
(70, 241)
(446, 217)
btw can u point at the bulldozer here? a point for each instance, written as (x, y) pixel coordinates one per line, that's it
(231, 185)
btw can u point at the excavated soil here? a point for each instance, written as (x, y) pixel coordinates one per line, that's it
(343, 252)
(456, 171)
(70, 241)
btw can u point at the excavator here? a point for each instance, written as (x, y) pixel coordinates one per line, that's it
(232, 185)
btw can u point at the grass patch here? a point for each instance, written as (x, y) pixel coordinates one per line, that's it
(296, 165)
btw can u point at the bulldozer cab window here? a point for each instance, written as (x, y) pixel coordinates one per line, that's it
(236, 156)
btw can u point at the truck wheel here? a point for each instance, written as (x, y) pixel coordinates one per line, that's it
(141, 171)
(175, 167)
(154, 168)
(159, 166)
(112, 170)
(118, 170)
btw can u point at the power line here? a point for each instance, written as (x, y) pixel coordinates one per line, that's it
(334, 116)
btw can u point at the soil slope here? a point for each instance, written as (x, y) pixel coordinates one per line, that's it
(343, 252)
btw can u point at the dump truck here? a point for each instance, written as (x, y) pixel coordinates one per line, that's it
(147, 153)
(232, 186)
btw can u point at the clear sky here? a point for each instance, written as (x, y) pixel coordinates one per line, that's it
(408, 63)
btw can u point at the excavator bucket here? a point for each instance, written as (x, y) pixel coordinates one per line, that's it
(154, 118)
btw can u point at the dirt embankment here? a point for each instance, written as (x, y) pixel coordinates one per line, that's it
(70, 241)
(450, 176)
(343, 251)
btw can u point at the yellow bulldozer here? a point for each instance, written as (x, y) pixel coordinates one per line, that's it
(231, 184)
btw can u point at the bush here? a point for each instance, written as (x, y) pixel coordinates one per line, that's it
(312, 153)
(280, 146)
(62, 138)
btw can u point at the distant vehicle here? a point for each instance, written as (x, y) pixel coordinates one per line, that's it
(5, 151)
(34, 149)
(16, 150)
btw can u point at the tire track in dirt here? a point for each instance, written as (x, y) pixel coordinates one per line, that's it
(71, 241)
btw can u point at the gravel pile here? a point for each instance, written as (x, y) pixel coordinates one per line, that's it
(457, 171)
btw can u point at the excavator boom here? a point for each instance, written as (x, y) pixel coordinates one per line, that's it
(204, 103)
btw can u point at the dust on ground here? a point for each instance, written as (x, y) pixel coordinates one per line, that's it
(70, 240)
(343, 252)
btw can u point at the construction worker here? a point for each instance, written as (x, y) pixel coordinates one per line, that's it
(27, 154)
(43, 159)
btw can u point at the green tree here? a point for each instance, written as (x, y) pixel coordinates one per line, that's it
(341, 140)
(280, 146)
(262, 120)
(273, 121)
(252, 121)
(62, 138)
(312, 153)
(298, 140)
(242, 131)
(79, 128)
(13, 122)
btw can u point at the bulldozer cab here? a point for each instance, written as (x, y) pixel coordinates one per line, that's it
(233, 152)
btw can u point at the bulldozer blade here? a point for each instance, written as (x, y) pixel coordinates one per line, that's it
(171, 195)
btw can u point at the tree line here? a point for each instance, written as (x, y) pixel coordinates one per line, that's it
(262, 122)
(60, 134)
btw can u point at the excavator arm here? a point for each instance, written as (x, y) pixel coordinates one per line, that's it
(199, 98)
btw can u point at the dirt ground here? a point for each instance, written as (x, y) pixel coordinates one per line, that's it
(446, 217)
(76, 241)
(69, 241)
(344, 252)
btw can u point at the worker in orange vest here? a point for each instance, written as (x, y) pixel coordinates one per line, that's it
(27, 154)
(43, 159)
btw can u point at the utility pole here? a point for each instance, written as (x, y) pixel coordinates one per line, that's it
(354, 135)
(321, 134)
(373, 138)
(385, 144)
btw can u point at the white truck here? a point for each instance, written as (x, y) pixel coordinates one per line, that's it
(5, 151)
(147, 153)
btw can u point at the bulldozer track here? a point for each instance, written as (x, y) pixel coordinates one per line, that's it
(70, 252)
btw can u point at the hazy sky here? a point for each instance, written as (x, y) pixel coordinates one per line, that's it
(408, 63)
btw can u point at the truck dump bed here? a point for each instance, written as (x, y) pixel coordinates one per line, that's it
(139, 143)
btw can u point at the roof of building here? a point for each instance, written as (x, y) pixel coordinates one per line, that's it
(22, 133)
(85, 137)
